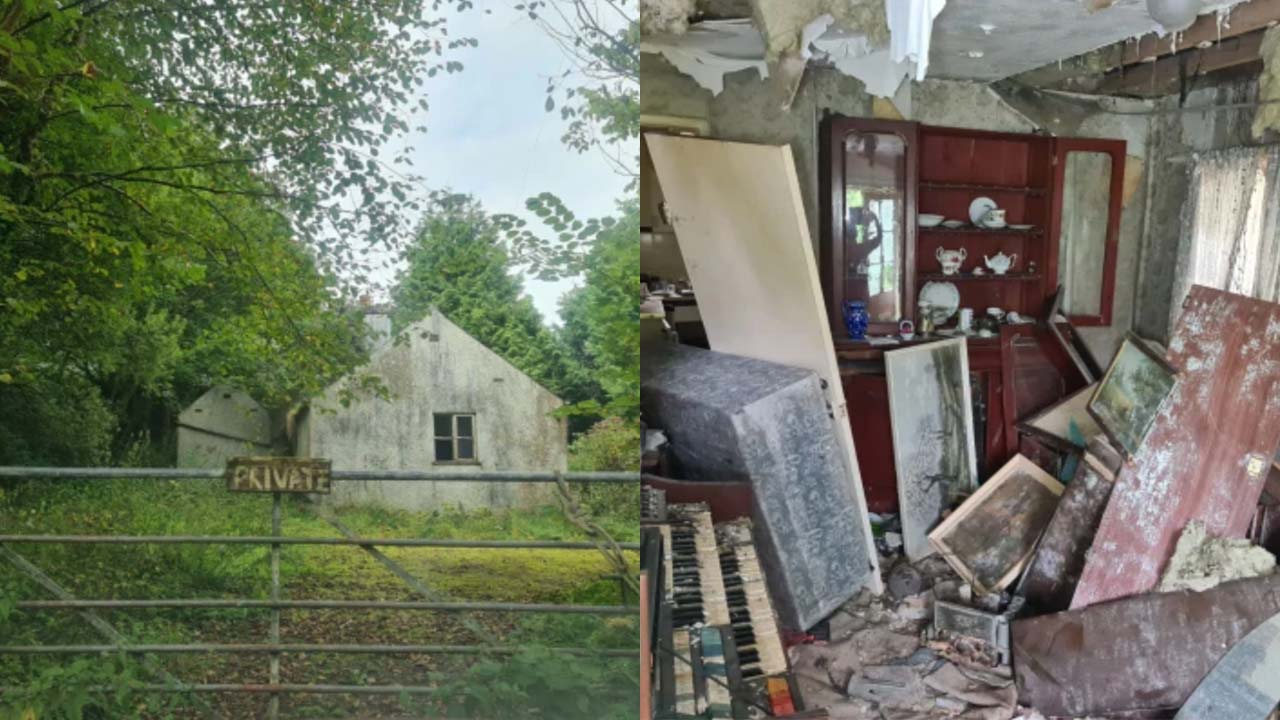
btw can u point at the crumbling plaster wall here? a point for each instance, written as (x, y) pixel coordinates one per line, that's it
(747, 111)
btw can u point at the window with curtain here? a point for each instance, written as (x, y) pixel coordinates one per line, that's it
(1229, 237)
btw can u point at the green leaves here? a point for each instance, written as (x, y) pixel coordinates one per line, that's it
(458, 264)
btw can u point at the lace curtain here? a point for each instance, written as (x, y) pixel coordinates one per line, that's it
(1229, 238)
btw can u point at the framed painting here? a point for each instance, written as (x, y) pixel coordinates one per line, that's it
(990, 538)
(931, 417)
(1129, 396)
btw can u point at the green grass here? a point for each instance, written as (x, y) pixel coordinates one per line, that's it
(144, 507)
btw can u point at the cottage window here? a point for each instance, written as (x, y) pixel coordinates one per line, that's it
(455, 436)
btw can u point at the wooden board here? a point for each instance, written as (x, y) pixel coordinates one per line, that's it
(1206, 454)
(931, 414)
(1051, 578)
(739, 221)
(278, 474)
(1144, 653)
(990, 538)
(1245, 684)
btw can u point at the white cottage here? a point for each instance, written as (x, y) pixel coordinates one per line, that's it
(455, 405)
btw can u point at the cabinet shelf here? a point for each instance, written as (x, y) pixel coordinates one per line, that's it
(986, 277)
(972, 187)
(971, 230)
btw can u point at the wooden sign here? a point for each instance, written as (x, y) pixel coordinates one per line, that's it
(278, 474)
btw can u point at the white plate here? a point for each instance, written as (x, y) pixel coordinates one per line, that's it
(953, 224)
(944, 297)
(1021, 227)
(979, 207)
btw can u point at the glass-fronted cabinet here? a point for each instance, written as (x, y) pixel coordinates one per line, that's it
(870, 195)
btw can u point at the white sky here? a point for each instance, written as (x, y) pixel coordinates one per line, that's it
(489, 135)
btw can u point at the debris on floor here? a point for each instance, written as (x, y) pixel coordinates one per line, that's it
(1201, 562)
(886, 659)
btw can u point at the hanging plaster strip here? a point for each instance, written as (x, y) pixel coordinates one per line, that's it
(910, 31)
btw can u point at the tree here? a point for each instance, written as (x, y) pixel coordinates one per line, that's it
(459, 265)
(310, 110)
(179, 184)
(601, 105)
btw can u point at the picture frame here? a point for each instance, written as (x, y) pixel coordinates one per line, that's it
(930, 397)
(1131, 393)
(992, 536)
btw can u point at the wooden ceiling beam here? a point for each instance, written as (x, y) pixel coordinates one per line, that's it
(1164, 75)
(1241, 19)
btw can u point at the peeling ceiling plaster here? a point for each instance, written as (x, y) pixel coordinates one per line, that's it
(1027, 34)
(980, 40)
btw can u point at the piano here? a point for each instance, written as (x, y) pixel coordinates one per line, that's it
(717, 649)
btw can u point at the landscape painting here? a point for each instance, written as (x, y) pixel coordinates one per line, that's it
(990, 538)
(932, 417)
(1131, 393)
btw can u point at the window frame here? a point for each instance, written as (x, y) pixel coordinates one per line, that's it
(453, 439)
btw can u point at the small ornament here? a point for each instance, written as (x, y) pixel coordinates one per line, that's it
(856, 319)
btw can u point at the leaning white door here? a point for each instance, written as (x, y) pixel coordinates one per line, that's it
(739, 220)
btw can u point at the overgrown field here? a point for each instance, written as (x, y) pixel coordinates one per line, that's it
(537, 683)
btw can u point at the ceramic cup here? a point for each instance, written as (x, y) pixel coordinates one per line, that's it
(966, 320)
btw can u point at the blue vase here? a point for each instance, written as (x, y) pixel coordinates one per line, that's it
(856, 319)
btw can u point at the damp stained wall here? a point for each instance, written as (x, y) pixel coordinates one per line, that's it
(438, 368)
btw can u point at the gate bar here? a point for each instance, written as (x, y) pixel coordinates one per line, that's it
(273, 708)
(303, 648)
(495, 476)
(245, 604)
(251, 688)
(104, 628)
(271, 540)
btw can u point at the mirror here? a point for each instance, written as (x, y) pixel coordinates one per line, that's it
(1082, 243)
(875, 171)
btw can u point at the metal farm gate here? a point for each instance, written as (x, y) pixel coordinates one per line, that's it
(114, 641)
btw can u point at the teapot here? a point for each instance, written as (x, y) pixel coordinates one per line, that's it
(1001, 263)
(951, 260)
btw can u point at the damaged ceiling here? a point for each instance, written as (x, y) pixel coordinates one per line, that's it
(978, 40)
